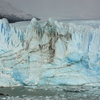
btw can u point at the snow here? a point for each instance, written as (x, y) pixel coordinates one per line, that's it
(53, 53)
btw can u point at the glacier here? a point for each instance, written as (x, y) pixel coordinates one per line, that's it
(53, 53)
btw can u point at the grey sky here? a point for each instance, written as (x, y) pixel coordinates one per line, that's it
(76, 9)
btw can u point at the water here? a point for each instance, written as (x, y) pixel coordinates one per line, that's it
(51, 93)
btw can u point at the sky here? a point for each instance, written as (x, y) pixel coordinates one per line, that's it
(71, 9)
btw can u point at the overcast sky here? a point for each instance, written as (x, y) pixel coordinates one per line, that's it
(86, 9)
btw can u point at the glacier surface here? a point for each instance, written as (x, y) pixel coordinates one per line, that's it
(49, 54)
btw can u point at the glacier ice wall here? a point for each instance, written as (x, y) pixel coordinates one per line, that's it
(50, 54)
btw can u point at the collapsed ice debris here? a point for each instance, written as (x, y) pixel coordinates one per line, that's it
(50, 54)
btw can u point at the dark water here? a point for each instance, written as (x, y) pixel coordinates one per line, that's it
(51, 93)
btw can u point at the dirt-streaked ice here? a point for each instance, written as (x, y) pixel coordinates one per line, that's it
(50, 54)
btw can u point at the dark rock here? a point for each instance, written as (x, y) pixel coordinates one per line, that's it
(4, 94)
(76, 91)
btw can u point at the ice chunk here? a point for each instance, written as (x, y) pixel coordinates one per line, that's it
(74, 57)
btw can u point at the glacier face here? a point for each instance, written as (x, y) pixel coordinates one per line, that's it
(50, 54)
